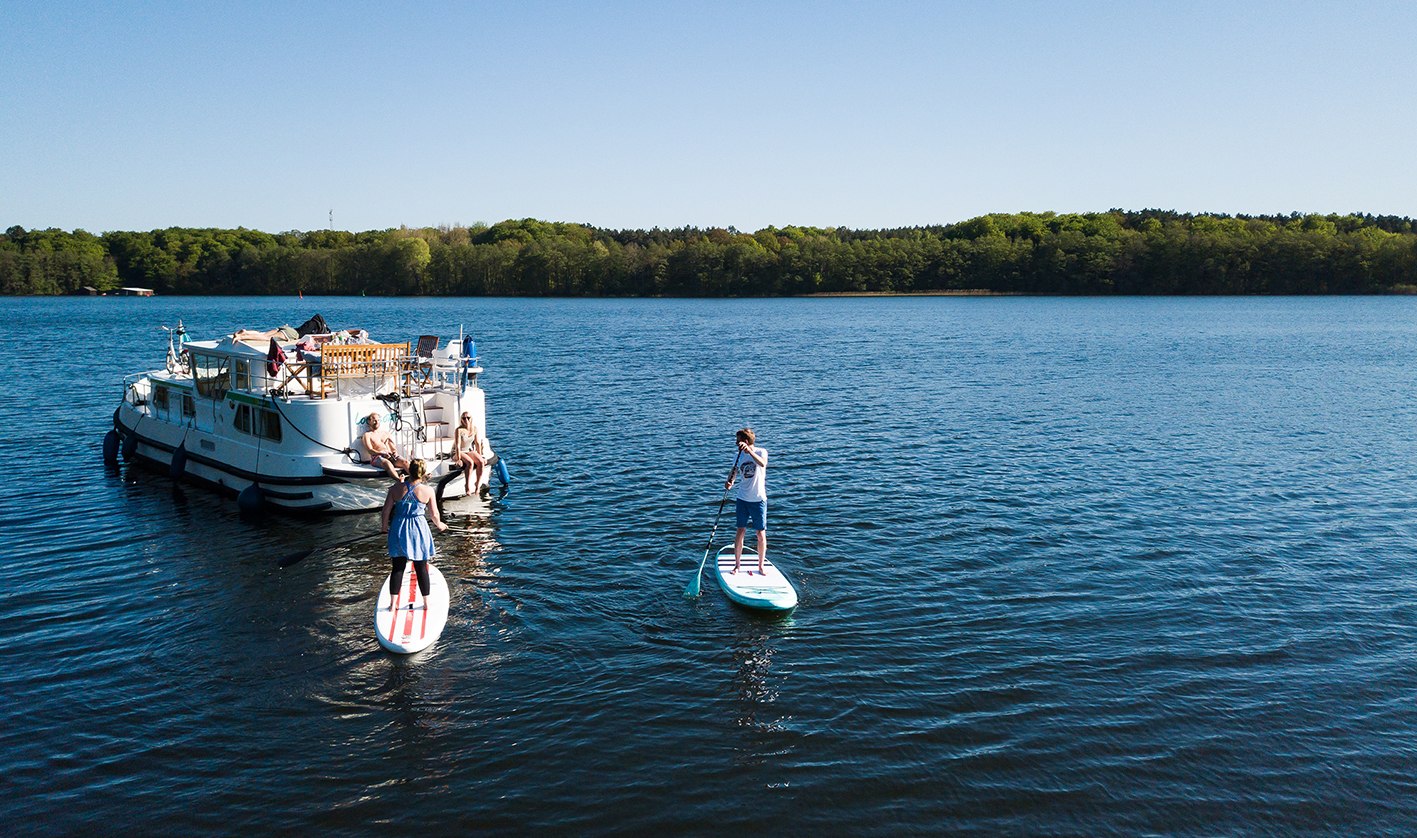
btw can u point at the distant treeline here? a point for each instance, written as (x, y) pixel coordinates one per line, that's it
(1117, 252)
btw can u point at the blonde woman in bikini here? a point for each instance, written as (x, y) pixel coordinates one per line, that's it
(471, 451)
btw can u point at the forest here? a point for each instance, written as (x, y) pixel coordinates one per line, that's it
(1115, 252)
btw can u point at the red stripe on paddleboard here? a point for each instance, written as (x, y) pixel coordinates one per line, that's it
(412, 597)
(394, 608)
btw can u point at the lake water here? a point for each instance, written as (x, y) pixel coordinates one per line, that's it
(1067, 566)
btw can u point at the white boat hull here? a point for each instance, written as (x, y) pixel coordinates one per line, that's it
(298, 473)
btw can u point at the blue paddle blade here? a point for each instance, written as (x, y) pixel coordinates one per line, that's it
(692, 589)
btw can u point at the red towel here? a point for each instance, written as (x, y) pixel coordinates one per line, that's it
(275, 356)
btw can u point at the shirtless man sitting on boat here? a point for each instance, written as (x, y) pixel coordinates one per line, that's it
(382, 451)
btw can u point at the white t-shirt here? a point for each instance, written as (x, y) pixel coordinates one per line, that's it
(752, 478)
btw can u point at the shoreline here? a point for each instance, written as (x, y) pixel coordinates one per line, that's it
(961, 292)
(1401, 290)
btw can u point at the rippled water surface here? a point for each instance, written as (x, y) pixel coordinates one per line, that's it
(1066, 566)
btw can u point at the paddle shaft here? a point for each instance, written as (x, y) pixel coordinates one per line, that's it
(693, 588)
(733, 471)
(295, 557)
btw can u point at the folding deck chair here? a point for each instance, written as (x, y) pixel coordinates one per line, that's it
(423, 354)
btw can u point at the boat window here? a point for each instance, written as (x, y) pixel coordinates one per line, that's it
(189, 407)
(241, 375)
(270, 425)
(257, 421)
(210, 374)
(160, 398)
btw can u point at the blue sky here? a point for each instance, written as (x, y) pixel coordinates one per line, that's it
(664, 114)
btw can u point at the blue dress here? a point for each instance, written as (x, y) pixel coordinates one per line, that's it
(409, 535)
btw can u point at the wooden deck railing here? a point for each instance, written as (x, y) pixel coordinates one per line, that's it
(361, 360)
(321, 378)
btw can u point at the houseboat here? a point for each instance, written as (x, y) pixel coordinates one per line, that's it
(277, 417)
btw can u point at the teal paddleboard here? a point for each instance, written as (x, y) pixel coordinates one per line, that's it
(768, 590)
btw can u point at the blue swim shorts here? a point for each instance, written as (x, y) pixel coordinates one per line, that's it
(752, 514)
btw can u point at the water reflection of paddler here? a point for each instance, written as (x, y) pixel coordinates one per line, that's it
(755, 696)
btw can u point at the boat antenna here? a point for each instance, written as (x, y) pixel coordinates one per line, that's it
(461, 374)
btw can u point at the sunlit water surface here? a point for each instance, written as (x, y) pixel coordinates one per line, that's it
(1066, 566)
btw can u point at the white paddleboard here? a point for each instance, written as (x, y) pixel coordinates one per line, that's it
(406, 630)
(769, 590)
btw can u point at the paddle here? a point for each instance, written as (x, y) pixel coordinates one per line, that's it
(304, 554)
(692, 589)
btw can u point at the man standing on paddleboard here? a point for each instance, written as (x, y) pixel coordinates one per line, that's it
(752, 501)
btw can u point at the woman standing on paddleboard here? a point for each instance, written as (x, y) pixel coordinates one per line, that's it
(407, 508)
(752, 502)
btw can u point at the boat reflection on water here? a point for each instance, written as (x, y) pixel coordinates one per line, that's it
(465, 549)
(466, 552)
